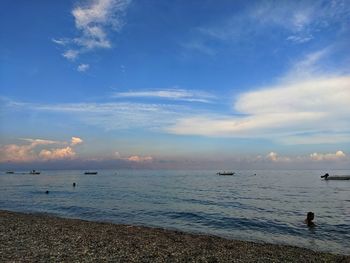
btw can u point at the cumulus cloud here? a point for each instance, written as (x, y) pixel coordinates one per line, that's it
(93, 20)
(37, 150)
(75, 141)
(17, 153)
(57, 154)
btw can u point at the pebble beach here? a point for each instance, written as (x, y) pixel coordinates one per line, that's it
(45, 238)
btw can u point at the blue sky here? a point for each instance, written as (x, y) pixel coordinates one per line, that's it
(176, 84)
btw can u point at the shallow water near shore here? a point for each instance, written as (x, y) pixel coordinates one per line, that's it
(267, 207)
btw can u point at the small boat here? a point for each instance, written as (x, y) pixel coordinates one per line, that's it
(225, 173)
(335, 177)
(10, 172)
(34, 172)
(90, 173)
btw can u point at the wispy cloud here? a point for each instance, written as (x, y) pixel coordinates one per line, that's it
(172, 94)
(83, 67)
(112, 116)
(93, 20)
(296, 22)
(306, 107)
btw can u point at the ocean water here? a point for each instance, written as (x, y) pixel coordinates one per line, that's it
(267, 207)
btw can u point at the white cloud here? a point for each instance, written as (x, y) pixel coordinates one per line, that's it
(306, 106)
(174, 94)
(274, 157)
(113, 116)
(339, 155)
(140, 159)
(35, 142)
(71, 54)
(83, 67)
(134, 158)
(61, 41)
(75, 141)
(94, 19)
(312, 106)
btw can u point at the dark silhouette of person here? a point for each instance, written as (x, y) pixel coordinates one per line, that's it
(325, 176)
(309, 217)
(74, 184)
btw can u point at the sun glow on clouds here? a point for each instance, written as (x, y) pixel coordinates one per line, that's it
(56, 154)
(34, 152)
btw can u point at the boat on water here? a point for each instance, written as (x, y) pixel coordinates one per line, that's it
(10, 172)
(225, 173)
(34, 172)
(335, 177)
(90, 173)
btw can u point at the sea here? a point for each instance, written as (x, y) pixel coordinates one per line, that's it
(252, 205)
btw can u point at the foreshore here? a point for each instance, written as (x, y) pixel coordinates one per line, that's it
(44, 238)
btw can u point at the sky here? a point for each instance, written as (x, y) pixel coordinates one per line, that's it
(175, 84)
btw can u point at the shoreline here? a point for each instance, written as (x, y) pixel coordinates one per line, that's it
(42, 237)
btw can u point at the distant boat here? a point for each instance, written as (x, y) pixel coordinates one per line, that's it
(90, 173)
(10, 172)
(225, 173)
(335, 177)
(34, 172)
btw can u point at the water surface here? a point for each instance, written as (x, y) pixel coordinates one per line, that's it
(267, 207)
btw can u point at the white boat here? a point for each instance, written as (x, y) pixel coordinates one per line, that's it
(335, 177)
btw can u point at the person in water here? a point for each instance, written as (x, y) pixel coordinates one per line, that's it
(309, 217)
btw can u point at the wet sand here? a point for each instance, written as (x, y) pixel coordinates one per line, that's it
(44, 238)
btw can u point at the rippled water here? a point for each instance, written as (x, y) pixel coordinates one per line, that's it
(267, 207)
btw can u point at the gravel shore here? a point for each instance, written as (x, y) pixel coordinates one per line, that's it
(43, 238)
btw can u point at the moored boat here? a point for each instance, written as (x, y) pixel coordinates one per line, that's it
(225, 173)
(10, 172)
(34, 172)
(90, 173)
(335, 177)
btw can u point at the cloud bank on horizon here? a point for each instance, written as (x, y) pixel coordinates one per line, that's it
(275, 74)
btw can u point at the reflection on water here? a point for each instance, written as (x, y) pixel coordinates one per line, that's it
(267, 207)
